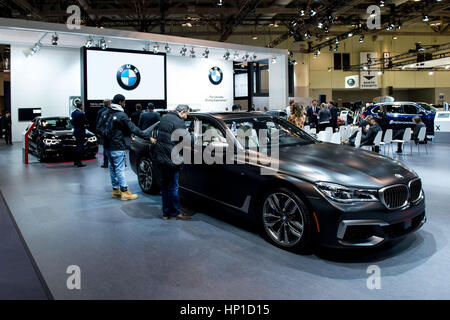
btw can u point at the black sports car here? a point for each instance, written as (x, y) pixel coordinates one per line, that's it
(338, 195)
(52, 138)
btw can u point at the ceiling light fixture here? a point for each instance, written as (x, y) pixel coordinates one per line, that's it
(167, 48)
(192, 53)
(103, 44)
(226, 56)
(55, 39)
(89, 42)
(274, 60)
(156, 48)
(206, 53)
(361, 39)
(183, 51)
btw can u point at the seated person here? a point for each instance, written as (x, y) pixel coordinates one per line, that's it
(364, 124)
(418, 125)
(366, 138)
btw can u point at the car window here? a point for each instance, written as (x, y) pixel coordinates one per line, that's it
(410, 109)
(206, 132)
(56, 124)
(376, 110)
(393, 108)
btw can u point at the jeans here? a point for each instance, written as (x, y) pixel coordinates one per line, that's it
(116, 161)
(169, 190)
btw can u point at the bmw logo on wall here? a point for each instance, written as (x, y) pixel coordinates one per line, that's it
(128, 77)
(215, 75)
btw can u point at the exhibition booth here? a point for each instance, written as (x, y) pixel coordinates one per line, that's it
(53, 66)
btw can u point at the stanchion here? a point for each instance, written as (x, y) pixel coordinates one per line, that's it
(25, 136)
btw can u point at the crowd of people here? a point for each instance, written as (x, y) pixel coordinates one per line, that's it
(319, 117)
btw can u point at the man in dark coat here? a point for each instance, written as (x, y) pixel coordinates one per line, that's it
(369, 138)
(148, 118)
(334, 115)
(106, 105)
(79, 123)
(311, 114)
(171, 122)
(136, 115)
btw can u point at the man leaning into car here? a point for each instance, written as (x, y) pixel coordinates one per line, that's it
(163, 156)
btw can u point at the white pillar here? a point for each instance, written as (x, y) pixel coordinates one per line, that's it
(278, 82)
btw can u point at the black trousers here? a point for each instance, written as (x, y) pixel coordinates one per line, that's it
(8, 137)
(80, 148)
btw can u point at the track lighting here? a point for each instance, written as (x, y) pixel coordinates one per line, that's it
(350, 34)
(89, 42)
(361, 39)
(315, 56)
(336, 48)
(336, 40)
(36, 48)
(254, 57)
(55, 39)
(312, 13)
(326, 30)
(330, 48)
(425, 18)
(245, 57)
(206, 53)
(167, 48)
(103, 44)
(219, 3)
(192, 53)
(302, 13)
(183, 51)
(320, 25)
(236, 55)
(274, 60)
(226, 56)
(381, 4)
(156, 48)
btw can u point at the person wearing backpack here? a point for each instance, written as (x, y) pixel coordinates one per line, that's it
(114, 125)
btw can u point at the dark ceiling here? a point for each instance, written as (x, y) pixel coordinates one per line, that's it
(221, 19)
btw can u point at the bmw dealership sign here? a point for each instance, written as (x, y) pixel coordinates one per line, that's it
(128, 77)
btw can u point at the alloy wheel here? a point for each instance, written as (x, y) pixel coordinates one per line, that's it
(283, 219)
(145, 175)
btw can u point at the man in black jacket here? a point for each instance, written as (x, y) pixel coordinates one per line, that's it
(5, 128)
(136, 115)
(367, 139)
(311, 114)
(79, 123)
(114, 126)
(164, 145)
(106, 105)
(334, 115)
(149, 117)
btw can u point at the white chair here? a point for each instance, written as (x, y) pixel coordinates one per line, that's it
(321, 136)
(336, 138)
(358, 139)
(307, 128)
(312, 131)
(405, 139)
(376, 141)
(329, 130)
(421, 137)
(387, 141)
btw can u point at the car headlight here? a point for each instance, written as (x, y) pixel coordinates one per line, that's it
(92, 139)
(51, 142)
(344, 194)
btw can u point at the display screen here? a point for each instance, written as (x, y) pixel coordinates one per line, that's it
(28, 114)
(138, 76)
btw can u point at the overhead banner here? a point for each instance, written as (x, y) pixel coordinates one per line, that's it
(352, 82)
(369, 77)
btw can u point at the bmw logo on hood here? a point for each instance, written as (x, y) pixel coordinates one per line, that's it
(215, 75)
(128, 77)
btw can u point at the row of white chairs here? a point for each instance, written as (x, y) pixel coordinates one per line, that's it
(345, 132)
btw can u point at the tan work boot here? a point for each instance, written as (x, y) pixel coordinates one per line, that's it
(127, 195)
(116, 193)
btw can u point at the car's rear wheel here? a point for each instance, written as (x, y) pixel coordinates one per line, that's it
(285, 220)
(146, 177)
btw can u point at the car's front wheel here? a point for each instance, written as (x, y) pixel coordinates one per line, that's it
(146, 177)
(285, 220)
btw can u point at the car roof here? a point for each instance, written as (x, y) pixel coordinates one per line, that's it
(395, 102)
(49, 118)
(232, 115)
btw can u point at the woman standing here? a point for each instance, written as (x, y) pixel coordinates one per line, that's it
(297, 117)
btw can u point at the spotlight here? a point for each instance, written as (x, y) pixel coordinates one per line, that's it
(206, 53)
(103, 44)
(245, 57)
(167, 48)
(36, 48)
(312, 13)
(380, 73)
(274, 59)
(302, 13)
(183, 51)
(430, 73)
(254, 57)
(330, 19)
(55, 39)
(236, 55)
(381, 4)
(329, 69)
(425, 18)
(361, 39)
(447, 67)
(192, 53)
(320, 25)
(336, 40)
(350, 34)
(226, 56)
(89, 42)
(330, 48)
(156, 48)
(255, 37)
(315, 56)
(336, 48)
(219, 3)
(326, 30)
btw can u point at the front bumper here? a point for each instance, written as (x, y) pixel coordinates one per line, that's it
(370, 226)
(67, 151)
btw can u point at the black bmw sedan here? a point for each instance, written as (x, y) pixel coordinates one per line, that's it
(337, 195)
(52, 139)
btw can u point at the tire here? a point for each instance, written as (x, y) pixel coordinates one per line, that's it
(285, 220)
(40, 153)
(146, 177)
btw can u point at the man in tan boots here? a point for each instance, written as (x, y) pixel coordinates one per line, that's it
(114, 125)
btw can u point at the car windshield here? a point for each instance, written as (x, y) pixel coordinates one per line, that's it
(248, 132)
(427, 107)
(57, 124)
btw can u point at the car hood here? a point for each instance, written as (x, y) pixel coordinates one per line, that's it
(343, 165)
(64, 133)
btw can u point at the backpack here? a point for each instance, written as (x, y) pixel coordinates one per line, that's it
(106, 125)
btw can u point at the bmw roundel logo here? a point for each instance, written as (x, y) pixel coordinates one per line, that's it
(128, 77)
(215, 75)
